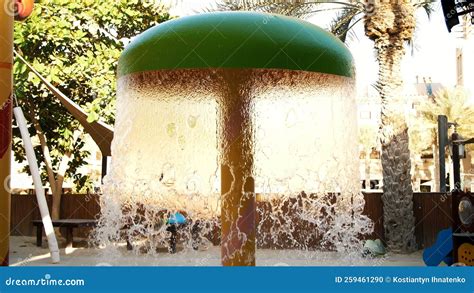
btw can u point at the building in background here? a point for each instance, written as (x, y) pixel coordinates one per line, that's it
(465, 79)
(465, 56)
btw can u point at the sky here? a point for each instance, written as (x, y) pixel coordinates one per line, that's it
(433, 55)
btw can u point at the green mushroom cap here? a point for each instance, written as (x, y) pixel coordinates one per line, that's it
(237, 40)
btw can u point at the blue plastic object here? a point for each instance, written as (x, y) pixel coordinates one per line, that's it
(441, 250)
(176, 218)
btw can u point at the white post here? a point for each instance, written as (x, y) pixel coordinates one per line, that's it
(43, 206)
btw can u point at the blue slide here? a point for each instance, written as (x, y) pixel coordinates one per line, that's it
(441, 250)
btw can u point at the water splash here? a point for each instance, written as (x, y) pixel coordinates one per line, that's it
(167, 156)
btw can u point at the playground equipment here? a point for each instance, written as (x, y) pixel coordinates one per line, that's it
(7, 11)
(217, 107)
(40, 196)
(101, 133)
(23, 9)
(374, 248)
(465, 254)
(462, 202)
(456, 244)
(463, 227)
(441, 251)
(20, 10)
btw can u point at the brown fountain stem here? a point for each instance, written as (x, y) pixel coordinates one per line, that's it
(237, 185)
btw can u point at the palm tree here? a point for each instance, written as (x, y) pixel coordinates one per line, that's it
(390, 25)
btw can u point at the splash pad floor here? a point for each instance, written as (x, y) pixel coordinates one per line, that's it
(24, 252)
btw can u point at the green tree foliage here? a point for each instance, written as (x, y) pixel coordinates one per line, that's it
(455, 104)
(76, 46)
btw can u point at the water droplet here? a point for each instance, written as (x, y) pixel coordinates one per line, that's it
(192, 185)
(181, 142)
(171, 129)
(192, 121)
(168, 175)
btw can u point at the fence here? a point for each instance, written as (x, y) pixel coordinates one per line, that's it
(432, 213)
(24, 209)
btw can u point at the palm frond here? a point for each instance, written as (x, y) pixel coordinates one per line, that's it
(428, 6)
(343, 22)
(297, 8)
(245, 5)
(455, 104)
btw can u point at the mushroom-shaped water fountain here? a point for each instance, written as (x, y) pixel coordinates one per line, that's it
(215, 108)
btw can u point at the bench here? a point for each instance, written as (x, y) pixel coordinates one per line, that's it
(69, 224)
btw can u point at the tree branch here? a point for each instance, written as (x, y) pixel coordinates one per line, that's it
(44, 146)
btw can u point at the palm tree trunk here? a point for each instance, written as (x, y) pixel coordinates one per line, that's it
(389, 25)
